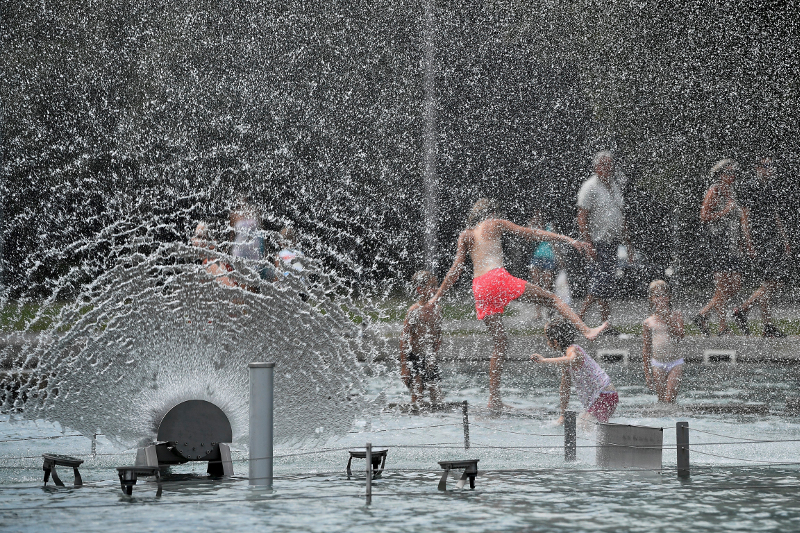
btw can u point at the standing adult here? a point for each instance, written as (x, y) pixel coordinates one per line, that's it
(601, 222)
(763, 206)
(728, 237)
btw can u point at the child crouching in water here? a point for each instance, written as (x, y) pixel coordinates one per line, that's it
(592, 385)
(421, 340)
(662, 367)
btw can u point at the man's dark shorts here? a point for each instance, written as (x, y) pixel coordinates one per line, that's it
(425, 368)
(772, 264)
(603, 271)
(723, 261)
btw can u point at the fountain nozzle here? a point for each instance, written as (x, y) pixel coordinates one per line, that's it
(194, 430)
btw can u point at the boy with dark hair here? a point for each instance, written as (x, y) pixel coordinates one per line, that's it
(420, 341)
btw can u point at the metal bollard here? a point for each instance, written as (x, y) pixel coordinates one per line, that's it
(465, 420)
(682, 442)
(369, 473)
(262, 376)
(570, 436)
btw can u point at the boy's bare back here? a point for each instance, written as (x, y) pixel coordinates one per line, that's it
(484, 244)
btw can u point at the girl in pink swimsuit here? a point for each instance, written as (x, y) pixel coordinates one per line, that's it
(662, 367)
(592, 385)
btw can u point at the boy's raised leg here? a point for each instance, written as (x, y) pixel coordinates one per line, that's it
(537, 294)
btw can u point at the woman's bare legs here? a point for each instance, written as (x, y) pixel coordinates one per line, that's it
(762, 297)
(726, 285)
(495, 325)
(534, 293)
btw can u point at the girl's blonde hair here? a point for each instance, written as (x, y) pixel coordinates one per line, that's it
(656, 286)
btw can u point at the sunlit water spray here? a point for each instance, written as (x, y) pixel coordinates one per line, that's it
(157, 329)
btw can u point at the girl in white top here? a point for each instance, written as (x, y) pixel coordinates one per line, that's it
(592, 385)
(660, 331)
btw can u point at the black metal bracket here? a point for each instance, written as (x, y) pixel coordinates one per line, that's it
(49, 467)
(128, 475)
(378, 461)
(470, 467)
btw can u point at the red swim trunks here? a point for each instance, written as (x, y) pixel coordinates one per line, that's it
(494, 290)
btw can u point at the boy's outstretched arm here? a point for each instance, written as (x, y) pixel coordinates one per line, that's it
(455, 269)
(532, 234)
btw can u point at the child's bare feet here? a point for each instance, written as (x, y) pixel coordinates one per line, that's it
(595, 332)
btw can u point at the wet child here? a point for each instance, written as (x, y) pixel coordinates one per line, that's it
(660, 331)
(592, 385)
(493, 287)
(219, 270)
(544, 261)
(420, 341)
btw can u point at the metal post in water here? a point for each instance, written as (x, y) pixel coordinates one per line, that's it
(94, 445)
(682, 442)
(262, 377)
(369, 473)
(570, 436)
(465, 419)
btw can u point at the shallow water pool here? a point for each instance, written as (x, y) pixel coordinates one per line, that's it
(745, 473)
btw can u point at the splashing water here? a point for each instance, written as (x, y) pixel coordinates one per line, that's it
(159, 328)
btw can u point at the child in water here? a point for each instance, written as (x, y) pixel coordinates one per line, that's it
(421, 340)
(660, 331)
(593, 386)
(202, 239)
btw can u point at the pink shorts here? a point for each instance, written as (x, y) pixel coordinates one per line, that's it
(604, 406)
(494, 290)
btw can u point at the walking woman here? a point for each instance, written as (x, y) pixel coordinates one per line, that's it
(729, 234)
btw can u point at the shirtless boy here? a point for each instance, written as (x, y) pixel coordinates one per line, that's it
(493, 287)
(421, 340)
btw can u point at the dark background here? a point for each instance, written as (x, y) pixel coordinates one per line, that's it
(125, 123)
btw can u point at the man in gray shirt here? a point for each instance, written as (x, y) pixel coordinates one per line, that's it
(601, 222)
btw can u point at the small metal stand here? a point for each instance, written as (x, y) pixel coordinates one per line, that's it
(470, 467)
(129, 474)
(378, 461)
(49, 467)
